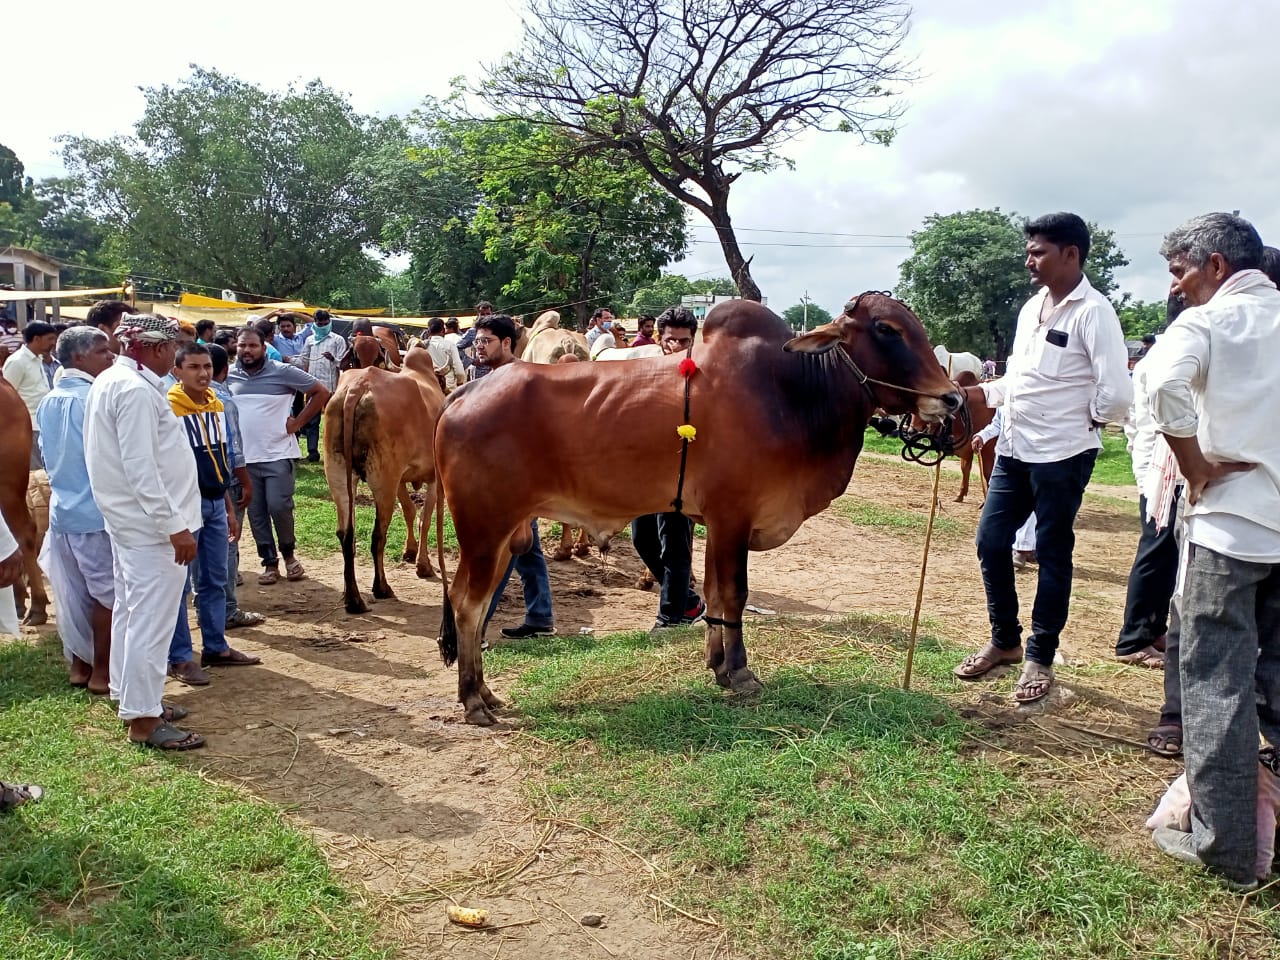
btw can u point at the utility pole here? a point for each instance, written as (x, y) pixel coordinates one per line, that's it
(805, 301)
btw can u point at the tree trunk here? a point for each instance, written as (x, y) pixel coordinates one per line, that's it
(739, 266)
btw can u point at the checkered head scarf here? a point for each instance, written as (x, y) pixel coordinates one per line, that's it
(143, 328)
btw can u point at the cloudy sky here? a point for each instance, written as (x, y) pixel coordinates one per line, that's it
(1135, 115)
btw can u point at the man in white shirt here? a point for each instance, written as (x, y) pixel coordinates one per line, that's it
(1210, 384)
(144, 481)
(444, 356)
(25, 371)
(320, 355)
(1066, 377)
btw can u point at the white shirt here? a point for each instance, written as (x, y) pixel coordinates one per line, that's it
(1140, 429)
(140, 464)
(312, 358)
(1053, 392)
(1213, 376)
(25, 370)
(605, 341)
(447, 361)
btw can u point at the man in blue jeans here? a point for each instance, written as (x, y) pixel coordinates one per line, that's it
(1066, 377)
(495, 335)
(205, 422)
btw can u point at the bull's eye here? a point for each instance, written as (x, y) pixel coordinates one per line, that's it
(885, 329)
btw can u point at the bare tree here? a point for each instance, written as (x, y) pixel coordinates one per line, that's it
(697, 92)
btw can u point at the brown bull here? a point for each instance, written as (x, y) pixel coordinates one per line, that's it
(15, 470)
(378, 426)
(980, 415)
(548, 343)
(779, 427)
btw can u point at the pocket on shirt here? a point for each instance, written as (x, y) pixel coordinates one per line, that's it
(1052, 359)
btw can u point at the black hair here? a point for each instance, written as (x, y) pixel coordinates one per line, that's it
(322, 317)
(681, 317)
(362, 325)
(1062, 230)
(224, 336)
(221, 359)
(191, 350)
(251, 328)
(204, 328)
(600, 312)
(482, 305)
(500, 325)
(106, 312)
(435, 327)
(266, 329)
(1271, 264)
(37, 328)
(451, 324)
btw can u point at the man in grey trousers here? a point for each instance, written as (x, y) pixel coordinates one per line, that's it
(263, 390)
(1210, 384)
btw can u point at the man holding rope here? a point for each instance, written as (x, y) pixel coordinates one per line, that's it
(1067, 376)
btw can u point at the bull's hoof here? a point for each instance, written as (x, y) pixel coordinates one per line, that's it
(722, 680)
(489, 699)
(383, 592)
(36, 618)
(357, 606)
(426, 573)
(744, 683)
(476, 712)
(561, 555)
(409, 556)
(581, 550)
(960, 499)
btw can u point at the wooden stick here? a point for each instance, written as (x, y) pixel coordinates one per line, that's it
(924, 561)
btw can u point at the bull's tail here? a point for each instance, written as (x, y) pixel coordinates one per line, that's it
(448, 639)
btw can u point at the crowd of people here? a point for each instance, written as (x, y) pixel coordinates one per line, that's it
(1203, 599)
(159, 437)
(158, 440)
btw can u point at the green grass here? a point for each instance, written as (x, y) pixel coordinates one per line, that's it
(130, 855)
(868, 513)
(838, 817)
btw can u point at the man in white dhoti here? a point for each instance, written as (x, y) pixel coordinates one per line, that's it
(144, 481)
(77, 550)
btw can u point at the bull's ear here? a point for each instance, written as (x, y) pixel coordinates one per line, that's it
(819, 340)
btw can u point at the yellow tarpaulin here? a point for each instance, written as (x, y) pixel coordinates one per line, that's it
(197, 301)
(58, 294)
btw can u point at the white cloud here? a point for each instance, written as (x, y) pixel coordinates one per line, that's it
(1135, 115)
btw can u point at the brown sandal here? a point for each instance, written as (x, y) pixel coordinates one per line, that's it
(1165, 739)
(979, 664)
(1034, 684)
(1148, 657)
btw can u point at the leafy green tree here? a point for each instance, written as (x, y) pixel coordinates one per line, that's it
(966, 277)
(551, 227)
(1140, 317)
(227, 185)
(14, 184)
(698, 93)
(805, 317)
(664, 292)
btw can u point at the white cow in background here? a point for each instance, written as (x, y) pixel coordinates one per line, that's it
(955, 363)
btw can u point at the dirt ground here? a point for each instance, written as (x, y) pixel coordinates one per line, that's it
(351, 723)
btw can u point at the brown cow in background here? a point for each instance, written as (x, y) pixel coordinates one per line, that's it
(980, 415)
(15, 475)
(378, 426)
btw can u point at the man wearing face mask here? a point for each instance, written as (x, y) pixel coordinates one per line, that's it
(601, 322)
(320, 356)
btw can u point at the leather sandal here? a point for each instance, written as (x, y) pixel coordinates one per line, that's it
(1148, 657)
(1034, 684)
(16, 794)
(230, 658)
(1165, 739)
(168, 737)
(979, 664)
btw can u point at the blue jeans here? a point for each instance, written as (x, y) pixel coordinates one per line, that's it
(532, 567)
(209, 571)
(1052, 491)
(311, 433)
(233, 555)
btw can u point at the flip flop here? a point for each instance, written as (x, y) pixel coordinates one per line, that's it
(16, 794)
(1034, 684)
(1165, 739)
(1148, 657)
(169, 712)
(979, 664)
(168, 737)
